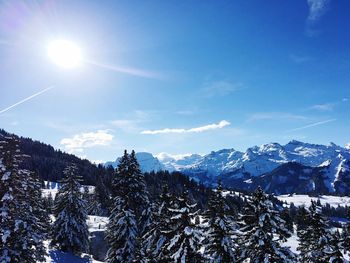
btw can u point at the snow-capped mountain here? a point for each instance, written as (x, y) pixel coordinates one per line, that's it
(146, 160)
(178, 162)
(293, 167)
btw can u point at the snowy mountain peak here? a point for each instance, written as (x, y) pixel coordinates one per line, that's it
(146, 160)
(347, 146)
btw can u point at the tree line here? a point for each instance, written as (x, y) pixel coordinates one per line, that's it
(168, 228)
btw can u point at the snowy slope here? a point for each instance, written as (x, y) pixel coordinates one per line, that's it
(305, 200)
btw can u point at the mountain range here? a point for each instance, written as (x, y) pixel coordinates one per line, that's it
(295, 167)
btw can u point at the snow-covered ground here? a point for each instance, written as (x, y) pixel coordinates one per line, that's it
(305, 200)
(53, 189)
(95, 223)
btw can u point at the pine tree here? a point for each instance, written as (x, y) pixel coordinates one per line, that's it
(94, 207)
(20, 198)
(345, 236)
(156, 237)
(219, 230)
(41, 223)
(262, 232)
(315, 241)
(184, 236)
(132, 202)
(138, 195)
(102, 198)
(70, 230)
(121, 233)
(333, 248)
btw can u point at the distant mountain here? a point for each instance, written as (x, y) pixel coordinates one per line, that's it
(302, 167)
(295, 167)
(147, 161)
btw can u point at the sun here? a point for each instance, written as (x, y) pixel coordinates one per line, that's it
(64, 53)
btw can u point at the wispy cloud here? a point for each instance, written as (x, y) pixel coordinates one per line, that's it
(323, 107)
(208, 127)
(316, 9)
(300, 59)
(329, 106)
(312, 125)
(128, 70)
(275, 116)
(220, 88)
(87, 140)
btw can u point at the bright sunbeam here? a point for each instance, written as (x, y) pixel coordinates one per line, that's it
(64, 53)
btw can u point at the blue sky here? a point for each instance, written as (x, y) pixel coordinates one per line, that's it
(177, 76)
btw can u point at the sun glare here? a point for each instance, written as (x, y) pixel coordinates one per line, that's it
(64, 53)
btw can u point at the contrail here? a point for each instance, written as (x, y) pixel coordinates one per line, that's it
(127, 70)
(26, 99)
(312, 125)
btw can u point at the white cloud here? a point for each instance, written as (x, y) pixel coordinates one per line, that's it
(208, 127)
(312, 125)
(316, 9)
(275, 116)
(323, 107)
(87, 140)
(220, 88)
(300, 59)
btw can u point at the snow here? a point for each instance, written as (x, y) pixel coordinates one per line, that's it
(95, 223)
(305, 200)
(56, 256)
(293, 243)
(54, 186)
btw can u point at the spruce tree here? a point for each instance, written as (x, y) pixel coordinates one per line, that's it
(157, 236)
(70, 230)
(184, 237)
(21, 232)
(316, 242)
(345, 236)
(138, 195)
(121, 233)
(132, 202)
(219, 230)
(263, 231)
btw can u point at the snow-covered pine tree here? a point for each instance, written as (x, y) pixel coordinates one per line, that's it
(94, 207)
(70, 231)
(333, 248)
(138, 195)
(41, 223)
(262, 231)
(156, 236)
(132, 202)
(184, 237)
(101, 196)
(345, 235)
(316, 243)
(121, 233)
(219, 230)
(21, 235)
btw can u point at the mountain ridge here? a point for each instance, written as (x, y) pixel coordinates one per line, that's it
(329, 166)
